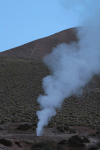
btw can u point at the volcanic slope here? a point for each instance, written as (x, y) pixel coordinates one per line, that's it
(21, 75)
(39, 48)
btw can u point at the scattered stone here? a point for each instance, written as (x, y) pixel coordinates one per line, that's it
(75, 141)
(85, 139)
(5, 142)
(18, 144)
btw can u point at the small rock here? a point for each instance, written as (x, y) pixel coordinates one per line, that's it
(5, 142)
(18, 144)
(2, 64)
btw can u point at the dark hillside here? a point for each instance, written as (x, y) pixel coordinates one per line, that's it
(21, 84)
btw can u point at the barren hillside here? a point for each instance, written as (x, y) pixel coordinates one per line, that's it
(39, 48)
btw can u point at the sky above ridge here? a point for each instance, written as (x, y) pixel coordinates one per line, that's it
(23, 21)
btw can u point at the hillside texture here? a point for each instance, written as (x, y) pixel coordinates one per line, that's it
(21, 84)
(39, 48)
(21, 74)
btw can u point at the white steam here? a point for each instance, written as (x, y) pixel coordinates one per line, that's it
(72, 66)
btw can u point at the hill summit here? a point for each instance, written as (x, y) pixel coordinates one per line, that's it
(39, 48)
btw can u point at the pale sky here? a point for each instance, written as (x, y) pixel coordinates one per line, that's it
(23, 21)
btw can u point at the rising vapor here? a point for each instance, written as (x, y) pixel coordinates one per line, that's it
(72, 65)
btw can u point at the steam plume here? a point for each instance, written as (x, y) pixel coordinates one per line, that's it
(72, 65)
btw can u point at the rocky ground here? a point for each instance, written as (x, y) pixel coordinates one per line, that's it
(22, 136)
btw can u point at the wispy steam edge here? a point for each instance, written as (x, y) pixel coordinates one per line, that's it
(72, 66)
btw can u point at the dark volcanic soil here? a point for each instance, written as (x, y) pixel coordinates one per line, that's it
(23, 140)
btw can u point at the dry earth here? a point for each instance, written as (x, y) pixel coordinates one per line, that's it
(25, 139)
